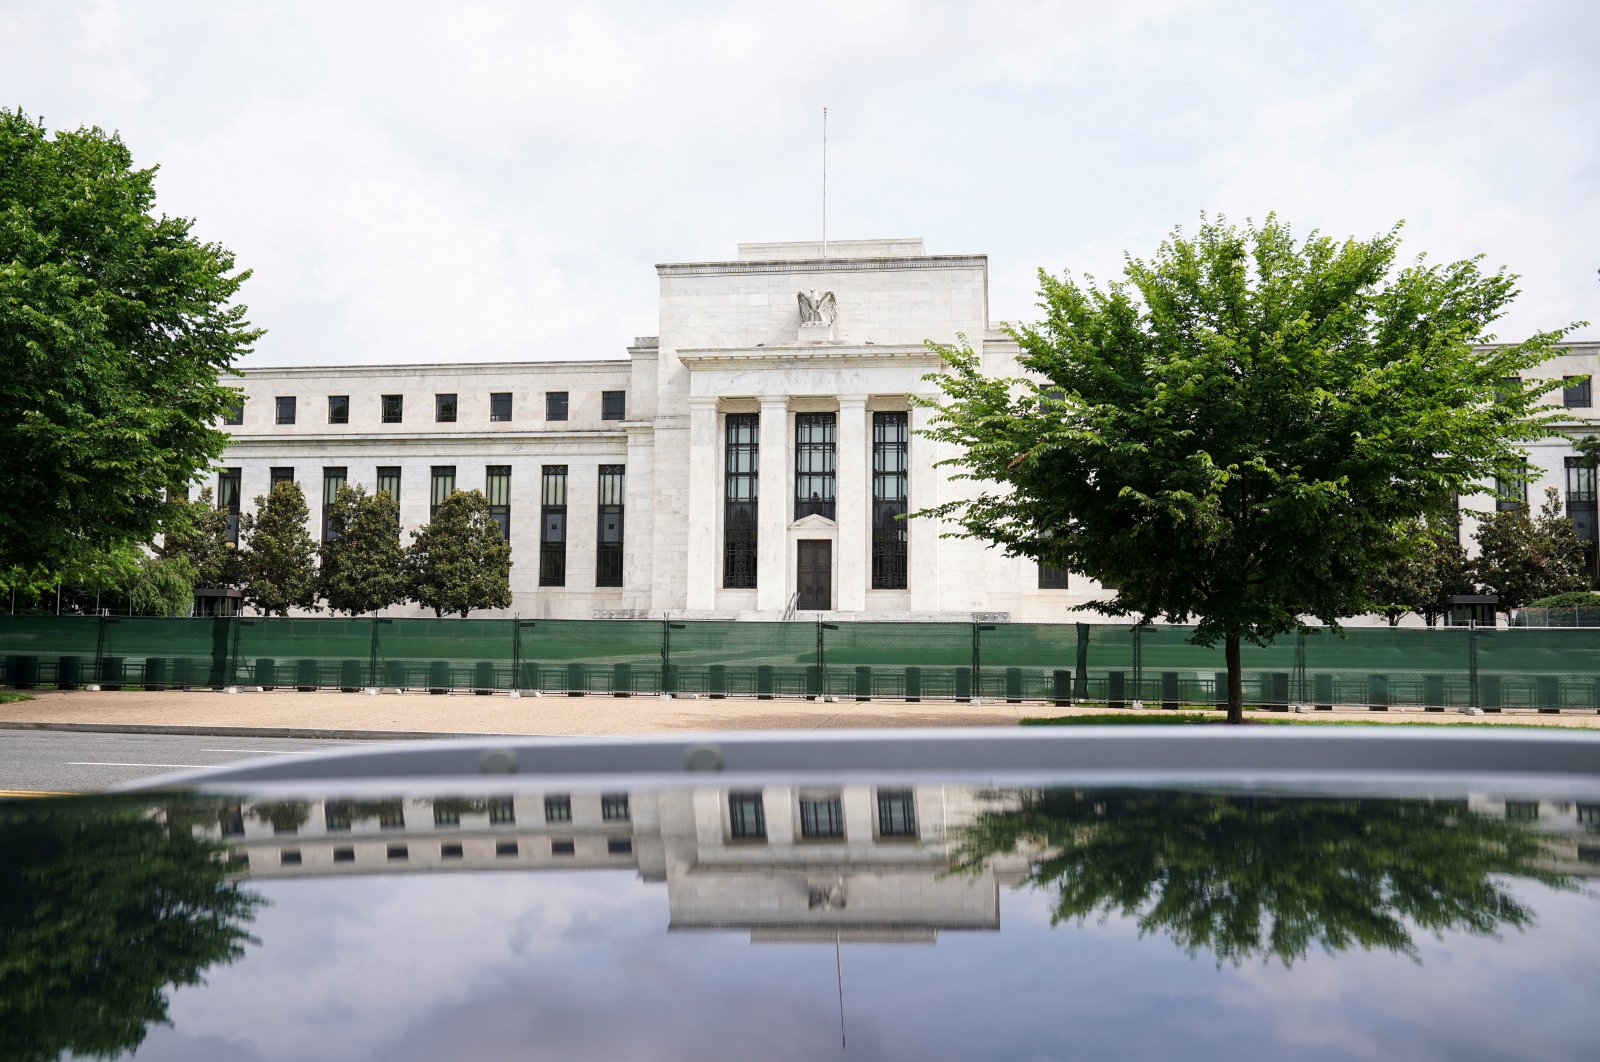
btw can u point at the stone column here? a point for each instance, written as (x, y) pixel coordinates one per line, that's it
(704, 504)
(922, 537)
(855, 514)
(776, 488)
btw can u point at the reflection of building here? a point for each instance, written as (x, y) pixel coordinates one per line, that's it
(786, 863)
(1572, 829)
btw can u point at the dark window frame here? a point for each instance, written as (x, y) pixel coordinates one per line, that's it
(1576, 392)
(500, 407)
(1583, 501)
(333, 477)
(233, 414)
(446, 407)
(741, 500)
(440, 475)
(897, 813)
(613, 405)
(388, 481)
(747, 815)
(1510, 495)
(822, 817)
(891, 477)
(816, 465)
(393, 408)
(338, 409)
(556, 405)
(1053, 578)
(285, 409)
(231, 501)
(615, 807)
(497, 489)
(553, 525)
(558, 808)
(608, 548)
(279, 474)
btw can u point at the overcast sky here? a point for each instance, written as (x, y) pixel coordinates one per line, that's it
(466, 181)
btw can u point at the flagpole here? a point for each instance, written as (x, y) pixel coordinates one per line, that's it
(824, 182)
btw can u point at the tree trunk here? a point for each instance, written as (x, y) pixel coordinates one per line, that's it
(1235, 678)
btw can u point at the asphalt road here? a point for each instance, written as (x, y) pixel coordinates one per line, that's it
(35, 761)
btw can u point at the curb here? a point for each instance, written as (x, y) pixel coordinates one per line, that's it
(248, 731)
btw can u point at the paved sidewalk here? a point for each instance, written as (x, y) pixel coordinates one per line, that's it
(464, 713)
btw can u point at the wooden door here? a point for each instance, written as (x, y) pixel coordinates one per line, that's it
(815, 580)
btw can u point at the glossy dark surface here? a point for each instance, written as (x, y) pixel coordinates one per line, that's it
(944, 922)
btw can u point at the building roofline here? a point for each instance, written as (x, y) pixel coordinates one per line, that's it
(467, 367)
(823, 265)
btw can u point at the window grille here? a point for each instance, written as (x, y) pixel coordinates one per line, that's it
(389, 482)
(555, 405)
(747, 816)
(558, 809)
(614, 807)
(1581, 498)
(286, 406)
(338, 409)
(1510, 494)
(897, 813)
(821, 817)
(500, 406)
(280, 475)
(1575, 392)
(608, 553)
(502, 811)
(444, 409)
(890, 439)
(814, 464)
(441, 485)
(553, 526)
(393, 409)
(1052, 577)
(446, 815)
(497, 487)
(740, 500)
(234, 414)
(228, 499)
(613, 405)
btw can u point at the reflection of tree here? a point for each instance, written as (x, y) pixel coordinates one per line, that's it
(286, 816)
(102, 906)
(1245, 876)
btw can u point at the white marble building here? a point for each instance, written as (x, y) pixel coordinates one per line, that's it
(746, 462)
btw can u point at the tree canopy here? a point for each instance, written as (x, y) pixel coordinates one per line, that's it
(116, 328)
(459, 561)
(363, 562)
(1522, 557)
(278, 564)
(1247, 877)
(1242, 429)
(196, 532)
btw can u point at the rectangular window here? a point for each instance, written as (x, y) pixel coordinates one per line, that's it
(553, 526)
(229, 500)
(814, 461)
(608, 552)
(890, 441)
(397, 851)
(741, 500)
(821, 817)
(619, 846)
(1510, 494)
(344, 855)
(280, 475)
(614, 807)
(555, 405)
(558, 809)
(444, 409)
(332, 480)
(441, 485)
(338, 409)
(234, 414)
(747, 816)
(1051, 577)
(389, 482)
(1581, 498)
(497, 488)
(391, 815)
(289, 857)
(505, 848)
(286, 409)
(563, 847)
(450, 851)
(501, 811)
(1508, 386)
(613, 405)
(337, 814)
(500, 406)
(394, 408)
(1575, 392)
(897, 813)
(447, 814)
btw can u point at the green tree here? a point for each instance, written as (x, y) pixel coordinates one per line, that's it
(364, 566)
(103, 906)
(278, 563)
(1522, 558)
(459, 561)
(1239, 431)
(1434, 567)
(115, 331)
(1247, 877)
(161, 587)
(196, 532)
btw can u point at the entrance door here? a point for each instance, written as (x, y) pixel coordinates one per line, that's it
(816, 575)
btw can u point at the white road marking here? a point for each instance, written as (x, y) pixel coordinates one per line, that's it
(269, 752)
(94, 763)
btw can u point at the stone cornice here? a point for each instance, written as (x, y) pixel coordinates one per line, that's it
(506, 442)
(479, 368)
(768, 356)
(823, 265)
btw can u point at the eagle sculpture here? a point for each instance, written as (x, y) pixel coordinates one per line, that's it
(818, 309)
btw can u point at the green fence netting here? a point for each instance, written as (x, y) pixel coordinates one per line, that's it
(1376, 667)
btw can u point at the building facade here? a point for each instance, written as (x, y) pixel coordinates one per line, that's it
(751, 460)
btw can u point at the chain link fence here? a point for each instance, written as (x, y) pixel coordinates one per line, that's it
(1374, 667)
